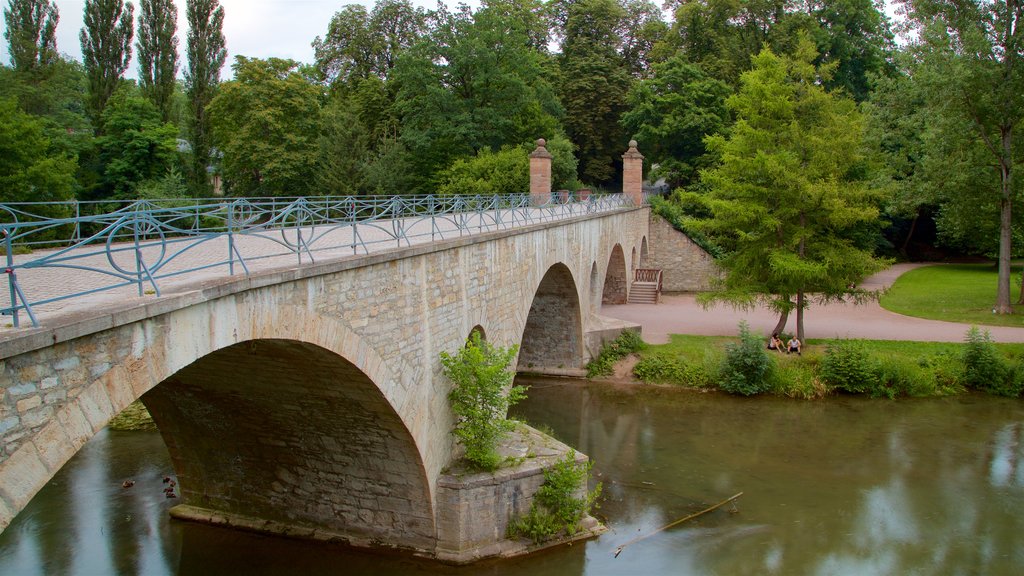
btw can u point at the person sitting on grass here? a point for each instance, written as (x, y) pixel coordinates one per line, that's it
(793, 345)
(775, 343)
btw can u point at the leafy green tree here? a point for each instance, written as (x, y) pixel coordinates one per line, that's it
(787, 201)
(267, 123)
(640, 30)
(361, 44)
(206, 53)
(857, 36)
(158, 53)
(30, 170)
(481, 395)
(475, 83)
(344, 150)
(106, 50)
(136, 147)
(594, 82)
(971, 56)
(31, 33)
(671, 113)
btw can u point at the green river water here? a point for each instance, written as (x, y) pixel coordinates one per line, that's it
(843, 486)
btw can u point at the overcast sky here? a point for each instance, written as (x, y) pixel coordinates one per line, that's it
(254, 28)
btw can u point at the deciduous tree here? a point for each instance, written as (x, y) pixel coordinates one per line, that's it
(31, 33)
(158, 53)
(786, 201)
(206, 54)
(106, 50)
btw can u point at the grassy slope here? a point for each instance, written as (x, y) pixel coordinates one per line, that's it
(955, 293)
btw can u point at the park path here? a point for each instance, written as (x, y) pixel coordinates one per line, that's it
(680, 314)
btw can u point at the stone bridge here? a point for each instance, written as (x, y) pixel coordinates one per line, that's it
(310, 400)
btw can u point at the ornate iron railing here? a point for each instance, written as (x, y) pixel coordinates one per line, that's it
(103, 246)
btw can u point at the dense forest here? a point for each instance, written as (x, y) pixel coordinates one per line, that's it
(741, 107)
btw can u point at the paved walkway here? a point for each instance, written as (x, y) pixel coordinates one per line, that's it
(680, 314)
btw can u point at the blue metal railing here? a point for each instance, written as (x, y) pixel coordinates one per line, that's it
(144, 243)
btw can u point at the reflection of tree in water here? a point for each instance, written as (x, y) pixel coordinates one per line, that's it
(848, 485)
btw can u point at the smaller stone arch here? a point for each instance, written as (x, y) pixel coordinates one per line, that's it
(632, 260)
(616, 282)
(478, 329)
(595, 287)
(645, 255)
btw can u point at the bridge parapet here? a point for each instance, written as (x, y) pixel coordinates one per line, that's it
(143, 247)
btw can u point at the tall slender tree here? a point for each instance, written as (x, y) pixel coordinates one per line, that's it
(31, 33)
(206, 54)
(106, 50)
(158, 52)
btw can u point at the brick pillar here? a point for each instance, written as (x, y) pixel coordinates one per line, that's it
(540, 174)
(633, 174)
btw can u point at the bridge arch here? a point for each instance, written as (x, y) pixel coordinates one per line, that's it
(644, 253)
(160, 367)
(553, 334)
(616, 283)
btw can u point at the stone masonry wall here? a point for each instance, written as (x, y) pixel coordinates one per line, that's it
(685, 266)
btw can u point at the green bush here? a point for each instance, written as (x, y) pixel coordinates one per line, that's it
(556, 507)
(604, 365)
(985, 369)
(847, 367)
(664, 369)
(747, 368)
(480, 374)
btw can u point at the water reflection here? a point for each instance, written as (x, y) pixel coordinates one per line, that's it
(847, 486)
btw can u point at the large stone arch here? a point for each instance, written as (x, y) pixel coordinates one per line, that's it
(157, 349)
(295, 435)
(616, 282)
(553, 333)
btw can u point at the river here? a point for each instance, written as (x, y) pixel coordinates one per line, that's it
(843, 486)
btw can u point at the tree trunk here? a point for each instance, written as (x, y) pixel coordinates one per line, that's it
(913, 226)
(800, 316)
(1005, 227)
(781, 325)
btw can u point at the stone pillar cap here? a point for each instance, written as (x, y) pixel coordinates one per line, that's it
(541, 151)
(632, 152)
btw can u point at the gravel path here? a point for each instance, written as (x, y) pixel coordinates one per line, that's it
(680, 314)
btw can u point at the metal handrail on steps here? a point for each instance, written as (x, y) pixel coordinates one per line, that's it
(650, 275)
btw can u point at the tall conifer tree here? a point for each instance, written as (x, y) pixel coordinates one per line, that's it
(206, 54)
(106, 50)
(158, 52)
(31, 33)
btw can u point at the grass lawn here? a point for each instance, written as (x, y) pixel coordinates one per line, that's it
(953, 292)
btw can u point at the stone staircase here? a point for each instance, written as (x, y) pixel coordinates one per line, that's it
(646, 287)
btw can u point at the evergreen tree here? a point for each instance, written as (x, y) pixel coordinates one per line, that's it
(106, 50)
(158, 53)
(206, 54)
(31, 33)
(787, 202)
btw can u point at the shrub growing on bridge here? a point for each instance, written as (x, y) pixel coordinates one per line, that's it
(481, 377)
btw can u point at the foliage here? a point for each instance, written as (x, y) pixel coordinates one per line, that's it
(206, 54)
(747, 368)
(985, 369)
(31, 33)
(475, 82)
(671, 369)
(787, 202)
(627, 343)
(556, 507)
(360, 44)
(30, 170)
(106, 50)
(847, 367)
(594, 81)
(480, 398)
(488, 173)
(673, 212)
(671, 113)
(135, 146)
(267, 123)
(158, 53)
(344, 150)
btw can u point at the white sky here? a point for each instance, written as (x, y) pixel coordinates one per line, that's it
(253, 28)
